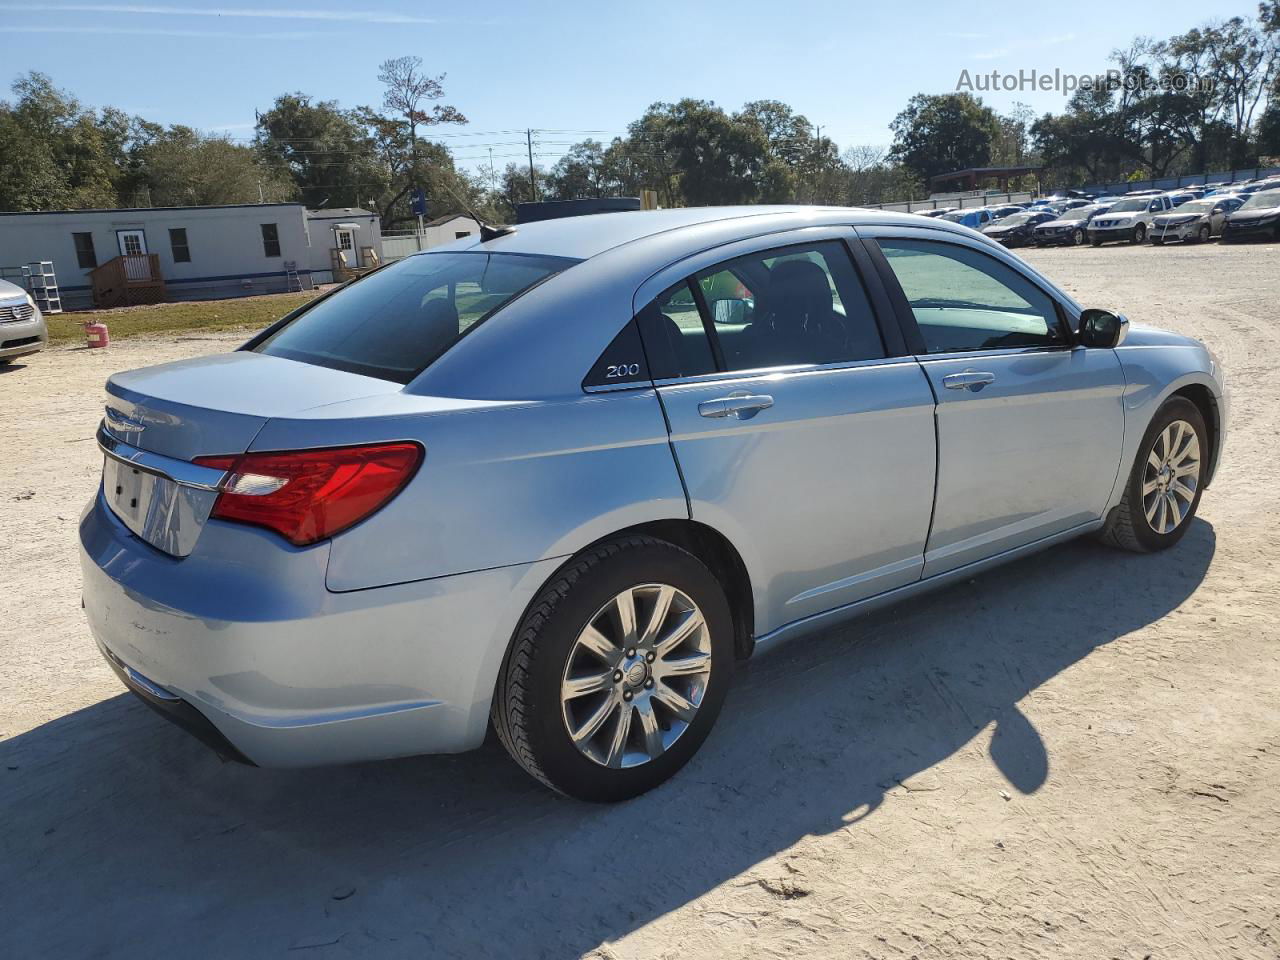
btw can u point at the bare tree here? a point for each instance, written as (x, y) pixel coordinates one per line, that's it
(408, 92)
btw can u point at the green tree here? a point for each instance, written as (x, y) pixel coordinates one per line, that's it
(941, 133)
(181, 166)
(328, 154)
(58, 154)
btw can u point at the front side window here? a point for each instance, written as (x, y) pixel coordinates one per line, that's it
(270, 240)
(394, 322)
(965, 300)
(791, 305)
(85, 255)
(178, 244)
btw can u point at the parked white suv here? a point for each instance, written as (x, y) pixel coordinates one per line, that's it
(22, 328)
(1129, 218)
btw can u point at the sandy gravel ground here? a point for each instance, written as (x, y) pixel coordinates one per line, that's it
(1077, 756)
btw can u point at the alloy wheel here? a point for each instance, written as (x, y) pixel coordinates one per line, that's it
(1171, 477)
(636, 675)
(1078, 238)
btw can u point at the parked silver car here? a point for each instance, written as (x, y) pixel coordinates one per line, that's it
(22, 327)
(563, 477)
(1196, 220)
(1129, 219)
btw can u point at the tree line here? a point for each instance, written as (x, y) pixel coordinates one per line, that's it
(56, 153)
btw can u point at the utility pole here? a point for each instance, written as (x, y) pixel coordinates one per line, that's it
(533, 178)
(493, 187)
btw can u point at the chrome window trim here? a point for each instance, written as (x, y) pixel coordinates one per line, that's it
(179, 471)
(687, 266)
(795, 369)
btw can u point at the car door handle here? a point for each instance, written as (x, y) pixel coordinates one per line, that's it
(741, 406)
(969, 380)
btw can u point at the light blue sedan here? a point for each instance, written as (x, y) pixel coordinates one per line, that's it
(562, 477)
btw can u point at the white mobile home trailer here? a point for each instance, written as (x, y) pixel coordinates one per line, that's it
(120, 257)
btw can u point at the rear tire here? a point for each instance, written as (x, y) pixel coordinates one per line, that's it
(635, 698)
(1095, 241)
(1177, 440)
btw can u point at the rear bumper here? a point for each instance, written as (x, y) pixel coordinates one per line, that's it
(22, 337)
(262, 659)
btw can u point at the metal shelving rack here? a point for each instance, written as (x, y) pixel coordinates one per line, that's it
(42, 284)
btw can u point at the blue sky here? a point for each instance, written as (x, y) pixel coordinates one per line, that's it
(569, 66)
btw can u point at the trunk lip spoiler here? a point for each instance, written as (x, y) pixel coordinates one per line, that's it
(181, 472)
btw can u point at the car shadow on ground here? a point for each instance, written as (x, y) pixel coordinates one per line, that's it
(121, 834)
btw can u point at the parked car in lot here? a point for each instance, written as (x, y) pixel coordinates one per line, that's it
(1258, 216)
(565, 476)
(937, 212)
(1017, 230)
(1129, 218)
(974, 217)
(1006, 210)
(22, 327)
(1069, 227)
(1197, 220)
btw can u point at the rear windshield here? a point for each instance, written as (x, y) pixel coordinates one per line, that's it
(393, 323)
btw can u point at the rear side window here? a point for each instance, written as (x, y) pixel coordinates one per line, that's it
(675, 339)
(394, 322)
(792, 305)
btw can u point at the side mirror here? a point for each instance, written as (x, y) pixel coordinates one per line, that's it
(1102, 328)
(730, 311)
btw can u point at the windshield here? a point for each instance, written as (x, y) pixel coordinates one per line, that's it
(1262, 199)
(394, 322)
(1196, 206)
(1078, 213)
(955, 217)
(1130, 204)
(1017, 219)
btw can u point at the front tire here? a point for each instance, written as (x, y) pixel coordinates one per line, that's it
(1164, 487)
(618, 670)
(1139, 233)
(1202, 235)
(1078, 238)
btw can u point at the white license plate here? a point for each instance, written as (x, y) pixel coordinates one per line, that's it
(128, 492)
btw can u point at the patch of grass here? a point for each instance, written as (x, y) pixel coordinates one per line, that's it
(241, 313)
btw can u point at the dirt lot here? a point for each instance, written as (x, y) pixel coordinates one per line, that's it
(1076, 756)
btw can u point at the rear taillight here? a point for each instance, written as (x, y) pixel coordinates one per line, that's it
(310, 495)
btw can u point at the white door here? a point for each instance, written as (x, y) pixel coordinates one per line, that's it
(347, 244)
(133, 243)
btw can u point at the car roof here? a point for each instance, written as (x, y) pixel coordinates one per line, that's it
(589, 235)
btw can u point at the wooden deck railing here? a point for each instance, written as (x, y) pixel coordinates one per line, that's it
(128, 280)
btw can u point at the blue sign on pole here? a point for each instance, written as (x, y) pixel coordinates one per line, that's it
(418, 202)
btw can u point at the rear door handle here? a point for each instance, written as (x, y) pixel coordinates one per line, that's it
(740, 406)
(968, 380)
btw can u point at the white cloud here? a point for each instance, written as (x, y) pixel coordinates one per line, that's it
(301, 13)
(165, 32)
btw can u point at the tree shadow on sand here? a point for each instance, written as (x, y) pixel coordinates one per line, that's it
(121, 833)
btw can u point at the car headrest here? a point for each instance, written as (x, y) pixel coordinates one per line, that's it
(798, 290)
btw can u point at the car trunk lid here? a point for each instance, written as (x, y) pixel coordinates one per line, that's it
(159, 419)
